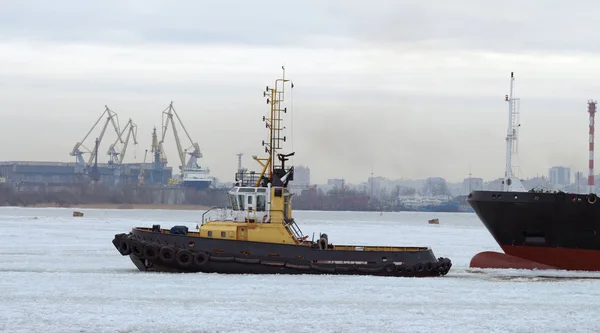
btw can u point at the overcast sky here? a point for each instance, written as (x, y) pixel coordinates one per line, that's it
(399, 88)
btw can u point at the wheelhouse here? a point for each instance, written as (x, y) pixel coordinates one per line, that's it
(249, 199)
(258, 204)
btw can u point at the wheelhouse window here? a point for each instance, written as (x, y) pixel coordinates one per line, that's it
(260, 202)
(233, 202)
(241, 201)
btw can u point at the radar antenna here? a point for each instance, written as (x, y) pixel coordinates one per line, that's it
(272, 172)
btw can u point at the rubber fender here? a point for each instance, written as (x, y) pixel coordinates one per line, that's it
(151, 252)
(166, 253)
(419, 267)
(342, 269)
(184, 258)
(115, 242)
(429, 266)
(221, 259)
(272, 263)
(591, 198)
(200, 258)
(300, 267)
(323, 269)
(124, 246)
(370, 269)
(247, 260)
(389, 268)
(137, 248)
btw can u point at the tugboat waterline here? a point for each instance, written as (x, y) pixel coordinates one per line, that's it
(258, 234)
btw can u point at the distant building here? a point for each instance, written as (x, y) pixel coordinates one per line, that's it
(435, 186)
(559, 176)
(580, 178)
(301, 176)
(336, 182)
(472, 184)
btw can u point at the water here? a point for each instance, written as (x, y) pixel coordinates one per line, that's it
(62, 274)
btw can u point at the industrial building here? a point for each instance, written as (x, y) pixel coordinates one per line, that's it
(54, 176)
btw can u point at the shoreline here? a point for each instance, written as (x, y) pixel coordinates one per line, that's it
(124, 206)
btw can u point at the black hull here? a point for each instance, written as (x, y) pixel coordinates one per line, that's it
(155, 251)
(559, 230)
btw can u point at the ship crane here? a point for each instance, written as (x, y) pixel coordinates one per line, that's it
(169, 115)
(112, 118)
(116, 155)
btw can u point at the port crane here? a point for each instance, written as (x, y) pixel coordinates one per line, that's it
(112, 118)
(160, 159)
(168, 117)
(117, 155)
(142, 167)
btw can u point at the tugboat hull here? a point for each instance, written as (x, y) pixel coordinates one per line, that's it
(540, 230)
(163, 252)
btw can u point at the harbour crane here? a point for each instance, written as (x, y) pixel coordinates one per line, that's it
(116, 155)
(142, 167)
(111, 117)
(168, 117)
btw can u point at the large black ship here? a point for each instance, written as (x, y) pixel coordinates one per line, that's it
(258, 234)
(537, 229)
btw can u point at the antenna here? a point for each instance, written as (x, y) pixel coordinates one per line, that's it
(592, 112)
(274, 97)
(512, 181)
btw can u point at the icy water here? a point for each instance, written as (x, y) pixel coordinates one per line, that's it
(62, 274)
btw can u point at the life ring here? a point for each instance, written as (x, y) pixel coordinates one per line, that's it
(166, 253)
(591, 198)
(184, 258)
(200, 259)
(266, 219)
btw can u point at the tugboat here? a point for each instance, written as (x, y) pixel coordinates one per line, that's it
(258, 234)
(538, 229)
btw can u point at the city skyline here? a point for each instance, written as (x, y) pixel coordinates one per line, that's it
(373, 93)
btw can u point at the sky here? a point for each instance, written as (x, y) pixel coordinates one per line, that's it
(400, 89)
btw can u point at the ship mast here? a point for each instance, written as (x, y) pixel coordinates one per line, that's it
(512, 183)
(275, 96)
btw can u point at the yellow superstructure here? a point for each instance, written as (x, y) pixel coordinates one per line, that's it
(261, 205)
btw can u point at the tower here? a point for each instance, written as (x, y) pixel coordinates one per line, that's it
(592, 112)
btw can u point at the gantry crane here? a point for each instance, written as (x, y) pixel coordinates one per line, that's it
(169, 115)
(111, 117)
